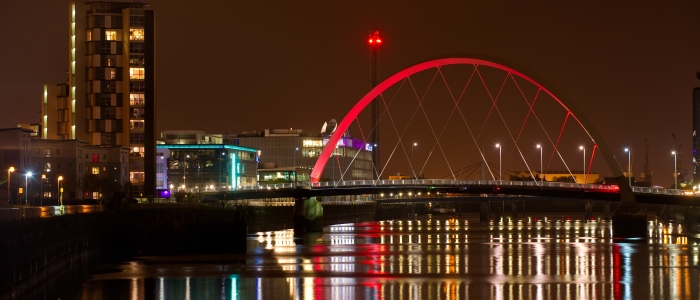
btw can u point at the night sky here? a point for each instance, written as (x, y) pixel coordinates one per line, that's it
(233, 66)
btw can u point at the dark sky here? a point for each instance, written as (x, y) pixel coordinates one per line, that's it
(232, 66)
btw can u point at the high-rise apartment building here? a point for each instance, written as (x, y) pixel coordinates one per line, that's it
(109, 99)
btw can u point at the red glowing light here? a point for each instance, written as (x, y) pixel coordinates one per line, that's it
(374, 38)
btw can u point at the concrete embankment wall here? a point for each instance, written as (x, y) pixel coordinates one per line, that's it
(35, 251)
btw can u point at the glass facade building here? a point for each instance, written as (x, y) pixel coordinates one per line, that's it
(205, 167)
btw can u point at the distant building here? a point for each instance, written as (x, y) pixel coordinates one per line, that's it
(558, 176)
(292, 150)
(109, 97)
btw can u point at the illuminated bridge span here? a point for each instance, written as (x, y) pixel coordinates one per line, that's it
(463, 118)
(481, 127)
(446, 188)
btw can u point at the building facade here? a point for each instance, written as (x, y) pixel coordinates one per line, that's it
(284, 149)
(205, 167)
(109, 99)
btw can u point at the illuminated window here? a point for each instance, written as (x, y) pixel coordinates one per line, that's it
(96, 170)
(136, 73)
(137, 124)
(136, 99)
(111, 35)
(88, 36)
(136, 34)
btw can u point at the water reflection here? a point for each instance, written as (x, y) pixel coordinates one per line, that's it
(424, 259)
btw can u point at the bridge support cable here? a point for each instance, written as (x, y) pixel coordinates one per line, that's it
(503, 120)
(430, 125)
(455, 108)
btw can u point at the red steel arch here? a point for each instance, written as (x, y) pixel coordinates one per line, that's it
(436, 63)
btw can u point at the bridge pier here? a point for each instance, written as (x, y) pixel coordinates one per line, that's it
(629, 220)
(308, 215)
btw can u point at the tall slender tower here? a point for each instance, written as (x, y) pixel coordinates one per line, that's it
(374, 41)
(696, 138)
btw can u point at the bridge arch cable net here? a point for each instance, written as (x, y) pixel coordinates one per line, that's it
(443, 118)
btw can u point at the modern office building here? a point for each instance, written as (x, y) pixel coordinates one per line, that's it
(109, 99)
(292, 150)
(205, 167)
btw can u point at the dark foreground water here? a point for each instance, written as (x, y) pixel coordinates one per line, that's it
(422, 259)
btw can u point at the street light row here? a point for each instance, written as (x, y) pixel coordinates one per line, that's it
(26, 186)
(582, 148)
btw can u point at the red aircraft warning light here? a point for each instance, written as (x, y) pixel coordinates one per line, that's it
(374, 38)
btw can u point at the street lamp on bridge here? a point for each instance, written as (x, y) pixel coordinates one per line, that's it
(675, 169)
(541, 164)
(584, 163)
(412, 149)
(629, 165)
(500, 169)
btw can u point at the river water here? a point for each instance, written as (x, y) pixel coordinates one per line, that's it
(428, 258)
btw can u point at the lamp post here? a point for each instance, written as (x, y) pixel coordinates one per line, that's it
(629, 165)
(41, 190)
(26, 188)
(60, 192)
(500, 169)
(9, 186)
(675, 171)
(294, 172)
(412, 149)
(584, 163)
(541, 164)
(221, 161)
(184, 175)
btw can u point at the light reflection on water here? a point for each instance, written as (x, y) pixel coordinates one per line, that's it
(424, 259)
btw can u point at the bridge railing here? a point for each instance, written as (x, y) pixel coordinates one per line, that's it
(452, 182)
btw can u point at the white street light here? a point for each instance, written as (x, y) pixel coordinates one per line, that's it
(500, 169)
(26, 187)
(412, 149)
(584, 163)
(629, 165)
(675, 171)
(541, 164)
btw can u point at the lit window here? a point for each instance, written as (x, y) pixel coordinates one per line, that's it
(136, 99)
(89, 36)
(136, 34)
(136, 73)
(96, 170)
(111, 35)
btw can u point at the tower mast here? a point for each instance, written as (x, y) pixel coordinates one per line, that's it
(374, 41)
